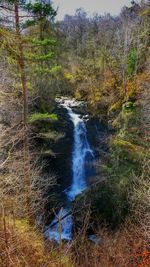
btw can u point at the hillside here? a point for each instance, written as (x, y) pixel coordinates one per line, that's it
(75, 134)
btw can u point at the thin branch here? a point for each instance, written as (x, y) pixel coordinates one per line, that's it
(7, 8)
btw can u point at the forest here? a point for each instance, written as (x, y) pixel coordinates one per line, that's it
(75, 133)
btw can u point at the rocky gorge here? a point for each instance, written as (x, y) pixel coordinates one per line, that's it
(60, 156)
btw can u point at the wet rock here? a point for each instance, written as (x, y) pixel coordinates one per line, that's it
(61, 164)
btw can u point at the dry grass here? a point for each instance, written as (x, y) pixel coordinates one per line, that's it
(23, 246)
(125, 248)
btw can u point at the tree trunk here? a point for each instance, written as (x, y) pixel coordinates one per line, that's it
(124, 83)
(21, 65)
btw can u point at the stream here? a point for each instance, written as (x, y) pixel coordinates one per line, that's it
(82, 165)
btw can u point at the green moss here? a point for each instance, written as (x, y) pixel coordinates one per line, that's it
(124, 164)
(68, 76)
(116, 106)
(124, 144)
(127, 151)
(52, 135)
(42, 116)
(129, 107)
(128, 118)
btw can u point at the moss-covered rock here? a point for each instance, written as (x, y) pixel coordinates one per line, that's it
(42, 117)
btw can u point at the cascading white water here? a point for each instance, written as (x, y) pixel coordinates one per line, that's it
(63, 230)
(81, 151)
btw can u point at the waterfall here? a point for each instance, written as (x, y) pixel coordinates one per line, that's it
(82, 153)
(81, 150)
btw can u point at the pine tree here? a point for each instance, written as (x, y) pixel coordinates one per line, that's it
(23, 50)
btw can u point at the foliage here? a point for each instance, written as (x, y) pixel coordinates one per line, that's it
(132, 61)
(41, 9)
(103, 60)
(42, 116)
